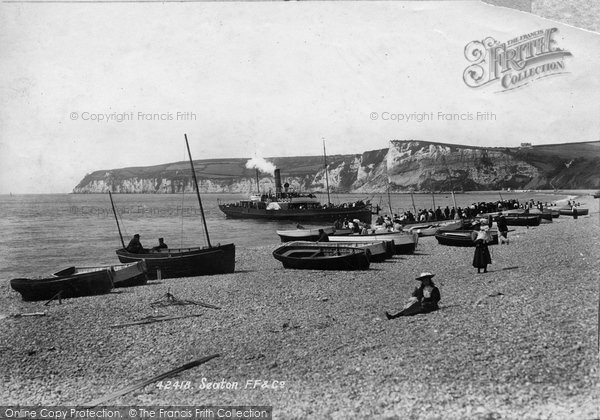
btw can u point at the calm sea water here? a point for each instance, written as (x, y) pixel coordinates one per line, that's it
(44, 233)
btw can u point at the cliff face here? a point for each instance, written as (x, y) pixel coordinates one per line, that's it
(405, 165)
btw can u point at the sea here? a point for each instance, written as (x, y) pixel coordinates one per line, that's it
(43, 233)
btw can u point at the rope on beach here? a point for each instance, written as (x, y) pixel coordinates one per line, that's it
(149, 381)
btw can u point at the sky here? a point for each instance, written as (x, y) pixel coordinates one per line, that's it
(95, 86)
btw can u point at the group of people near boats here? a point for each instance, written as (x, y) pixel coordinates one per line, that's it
(467, 212)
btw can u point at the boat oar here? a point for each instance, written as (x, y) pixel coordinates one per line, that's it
(149, 381)
(152, 320)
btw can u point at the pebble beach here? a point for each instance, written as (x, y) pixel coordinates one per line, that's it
(518, 342)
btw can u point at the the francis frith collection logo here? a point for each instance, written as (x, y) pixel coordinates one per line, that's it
(516, 62)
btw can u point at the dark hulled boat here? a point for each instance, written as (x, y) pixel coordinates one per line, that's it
(184, 262)
(523, 219)
(569, 211)
(95, 282)
(294, 206)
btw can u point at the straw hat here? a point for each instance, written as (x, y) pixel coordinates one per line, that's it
(425, 275)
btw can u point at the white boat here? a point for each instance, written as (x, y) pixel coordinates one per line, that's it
(303, 234)
(404, 242)
(377, 251)
(124, 275)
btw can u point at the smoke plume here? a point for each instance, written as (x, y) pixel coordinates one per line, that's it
(261, 164)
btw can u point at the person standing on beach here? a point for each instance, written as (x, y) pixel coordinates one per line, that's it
(424, 298)
(482, 256)
(502, 229)
(575, 214)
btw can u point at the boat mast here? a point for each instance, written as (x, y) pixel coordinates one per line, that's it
(197, 191)
(116, 219)
(456, 215)
(257, 184)
(433, 199)
(413, 202)
(389, 199)
(326, 172)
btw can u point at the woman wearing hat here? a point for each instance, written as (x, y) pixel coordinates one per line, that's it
(482, 256)
(424, 299)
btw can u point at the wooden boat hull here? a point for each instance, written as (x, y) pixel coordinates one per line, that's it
(523, 220)
(130, 275)
(322, 258)
(303, 234)
(569, 212)
(463, 238)
(124, 275)
(404, 243)
(377, 251)
(70, 286)
(330, 214)
(190, 262)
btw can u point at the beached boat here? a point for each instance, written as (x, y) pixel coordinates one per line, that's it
(462, 237)
(545, 214)
(430, 229)
(569, 211)
(597, 194)
(377, 251)
(124, 275)
(183, 262)
(523, 219)
(314, 257)
(404, 242)
(303, 234)
(94, 282)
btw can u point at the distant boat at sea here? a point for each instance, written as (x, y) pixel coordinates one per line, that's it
(294, 206)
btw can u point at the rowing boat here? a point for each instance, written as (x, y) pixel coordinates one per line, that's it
(94, 282)
(303, 234)
(463, 237)
(377, 251)
(124, 275)
(312, 256)
(404, 242)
